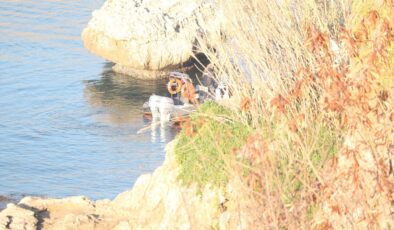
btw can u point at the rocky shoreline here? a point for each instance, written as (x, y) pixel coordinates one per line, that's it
(157, 201)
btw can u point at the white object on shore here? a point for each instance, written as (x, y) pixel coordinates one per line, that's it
(161, 107)
(154, 103)
(166, 108)
(221, 92)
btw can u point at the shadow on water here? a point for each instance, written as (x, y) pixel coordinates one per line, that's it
(117, 100)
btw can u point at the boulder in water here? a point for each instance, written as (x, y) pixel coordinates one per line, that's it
(151, 35)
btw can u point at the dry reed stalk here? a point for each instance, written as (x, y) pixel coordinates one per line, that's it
(289, 76)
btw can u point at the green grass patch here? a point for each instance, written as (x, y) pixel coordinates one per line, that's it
(203, 155)
(293, 173)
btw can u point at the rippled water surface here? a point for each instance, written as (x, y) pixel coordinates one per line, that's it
(68, 124)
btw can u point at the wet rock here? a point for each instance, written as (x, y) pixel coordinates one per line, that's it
(3, 201)
(140, 74)
(151, 35)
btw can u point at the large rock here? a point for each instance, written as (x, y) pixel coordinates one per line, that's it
(15, 217)
(151, 34)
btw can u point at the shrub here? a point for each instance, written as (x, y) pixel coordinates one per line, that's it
(204, 152)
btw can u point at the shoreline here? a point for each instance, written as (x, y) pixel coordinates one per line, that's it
(157, 200)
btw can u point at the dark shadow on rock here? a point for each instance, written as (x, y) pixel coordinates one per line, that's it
(39, 214)
(196, 65)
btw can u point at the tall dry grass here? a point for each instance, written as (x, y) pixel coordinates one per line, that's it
(305, 88)
(266, 45)
(259, 61)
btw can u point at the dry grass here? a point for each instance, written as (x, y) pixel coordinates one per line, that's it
(322, 114)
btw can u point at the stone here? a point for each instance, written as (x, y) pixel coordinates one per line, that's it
(124, 225)
(140, 74)
(18, 218)
(151, 35)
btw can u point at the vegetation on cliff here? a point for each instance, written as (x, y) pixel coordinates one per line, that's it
(312, 135)
(204, 145)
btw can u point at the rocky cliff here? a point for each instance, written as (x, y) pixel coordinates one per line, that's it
(147, 37)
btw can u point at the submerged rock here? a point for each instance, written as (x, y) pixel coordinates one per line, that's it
(150, 35)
